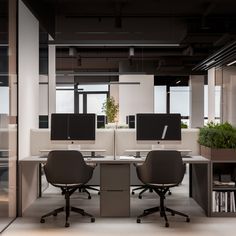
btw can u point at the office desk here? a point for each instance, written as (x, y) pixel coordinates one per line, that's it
(115, 191)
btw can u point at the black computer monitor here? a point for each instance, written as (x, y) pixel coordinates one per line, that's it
(82, 126)
(158, 127)
(59, 126)
(101, 121)
(79, 127)
(131, 121)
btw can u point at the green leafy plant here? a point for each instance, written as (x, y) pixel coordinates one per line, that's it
(184, 125)
(218, 135)
(111, 109)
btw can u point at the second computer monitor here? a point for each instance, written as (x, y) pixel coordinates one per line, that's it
(158, 127)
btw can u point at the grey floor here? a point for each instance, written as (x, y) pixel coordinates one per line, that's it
(152, 225)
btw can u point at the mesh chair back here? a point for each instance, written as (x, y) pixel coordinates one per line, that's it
(67, 167)
(162, 167)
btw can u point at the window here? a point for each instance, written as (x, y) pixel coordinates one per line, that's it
(91, 98)
(217, 103)
(95, 102)
(179, 100)
(174, 101)
(160, 99)
(86, 99)
(65, 99)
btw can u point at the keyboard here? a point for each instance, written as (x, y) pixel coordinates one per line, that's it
(186, 156)
(44, 156)
(97, 156)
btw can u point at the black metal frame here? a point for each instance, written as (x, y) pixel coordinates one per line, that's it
(161, 191)
(67, 191)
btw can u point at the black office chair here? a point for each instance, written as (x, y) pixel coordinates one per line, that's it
(85, 189)
(162, 170)
(143, 188)
(66, 169)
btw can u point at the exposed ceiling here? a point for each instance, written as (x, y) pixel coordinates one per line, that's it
(168, 37)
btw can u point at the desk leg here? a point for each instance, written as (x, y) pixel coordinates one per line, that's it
(190, 180)
(40, 181)
(28, 185)
(200, 185)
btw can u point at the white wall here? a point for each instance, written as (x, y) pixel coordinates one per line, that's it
(43, 95)
(52, 80)
(229, 95)
(211, 94)
(136, 98)
(28, 77)
(196, 101)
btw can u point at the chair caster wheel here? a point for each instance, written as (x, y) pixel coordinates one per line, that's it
(140, 197)
(67, 224)
(132, 193)
(138, 221)
(89, 197)
(92, 220)
(54, 214)
(188, 219)
(167, 225)
(42, 221)
(169, 193)
(98, 193)
(172, 214)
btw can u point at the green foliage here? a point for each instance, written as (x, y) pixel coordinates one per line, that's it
(184, 125)
(218, 135)
(111, 109)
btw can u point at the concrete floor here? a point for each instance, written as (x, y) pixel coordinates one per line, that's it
(152, 225)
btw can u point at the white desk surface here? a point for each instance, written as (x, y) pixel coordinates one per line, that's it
(148, 150)
(117, 160)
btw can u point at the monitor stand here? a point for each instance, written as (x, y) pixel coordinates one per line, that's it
(158, 146)
(73, 146)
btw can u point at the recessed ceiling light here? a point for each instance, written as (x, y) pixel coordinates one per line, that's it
(210, 62)
(231, 63)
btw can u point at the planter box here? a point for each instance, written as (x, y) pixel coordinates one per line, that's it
(218, 154)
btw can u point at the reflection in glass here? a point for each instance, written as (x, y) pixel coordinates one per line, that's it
(8, 112)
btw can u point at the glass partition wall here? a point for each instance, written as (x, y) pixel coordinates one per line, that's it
(8, 111)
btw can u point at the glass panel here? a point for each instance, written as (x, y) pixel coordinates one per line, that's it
(81, 103)
(8, 112)
(160, 99)
(217, 103)
(94, 103)
(4, 96)
(65, 101)
(205, 104)
(179, 100)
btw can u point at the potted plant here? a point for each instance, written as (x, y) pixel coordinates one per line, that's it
(111, 109)
(218, 141)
